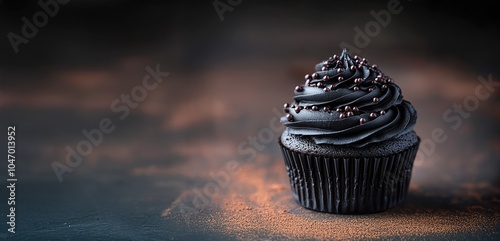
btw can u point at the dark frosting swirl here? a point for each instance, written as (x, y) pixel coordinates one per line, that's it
(348, 102)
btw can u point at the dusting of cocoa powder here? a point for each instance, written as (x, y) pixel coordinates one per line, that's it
(258, 203)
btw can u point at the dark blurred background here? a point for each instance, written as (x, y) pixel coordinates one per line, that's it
(226, 76)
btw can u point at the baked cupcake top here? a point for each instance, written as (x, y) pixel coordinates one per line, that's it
(348, 102)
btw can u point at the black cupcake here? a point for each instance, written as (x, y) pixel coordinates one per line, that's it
(349, 143)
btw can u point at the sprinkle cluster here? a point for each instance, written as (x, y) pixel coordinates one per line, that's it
(330, 79)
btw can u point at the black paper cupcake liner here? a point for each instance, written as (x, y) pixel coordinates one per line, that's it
(349, 185)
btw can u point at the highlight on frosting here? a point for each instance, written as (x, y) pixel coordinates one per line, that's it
(348, 102)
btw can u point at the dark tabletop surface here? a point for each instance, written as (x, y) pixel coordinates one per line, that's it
(197, 158)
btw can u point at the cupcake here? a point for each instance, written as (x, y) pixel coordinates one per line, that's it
(349, 143)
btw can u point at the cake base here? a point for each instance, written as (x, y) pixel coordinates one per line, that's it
(347, 180)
